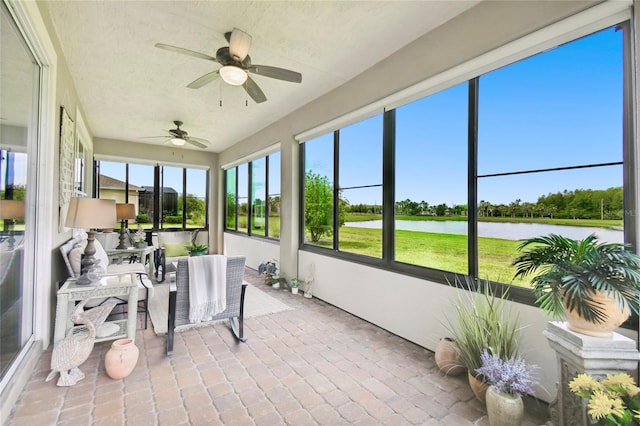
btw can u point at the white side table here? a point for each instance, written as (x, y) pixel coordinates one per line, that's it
(143, 253)
(114, 285)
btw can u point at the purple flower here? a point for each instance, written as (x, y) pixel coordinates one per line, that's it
(510, 376)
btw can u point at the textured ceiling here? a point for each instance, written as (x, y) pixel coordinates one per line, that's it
(130, 89)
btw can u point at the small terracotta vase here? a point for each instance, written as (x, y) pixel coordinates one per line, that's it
(448, 358)
(504, 409)
(121, 359)
(479, 388)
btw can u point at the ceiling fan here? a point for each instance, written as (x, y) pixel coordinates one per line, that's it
(179, 137)
(236, 65)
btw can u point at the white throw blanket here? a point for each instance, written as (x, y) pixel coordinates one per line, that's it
(207, 287)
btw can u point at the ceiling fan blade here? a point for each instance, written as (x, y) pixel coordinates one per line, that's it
(275, 72)
(196, 142)
(239, 44)
(254, 91)
(184, 51)
(205, 79)
(204, 141)
(154, 137)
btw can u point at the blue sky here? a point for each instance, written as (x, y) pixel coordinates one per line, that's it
(559, 108)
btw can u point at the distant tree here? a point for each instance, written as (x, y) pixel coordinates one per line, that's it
(318, 205)
(274, 205)
(195, 207)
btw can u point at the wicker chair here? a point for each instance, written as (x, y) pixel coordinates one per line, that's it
(179, 299)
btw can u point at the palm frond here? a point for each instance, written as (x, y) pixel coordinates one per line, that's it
(569, 272)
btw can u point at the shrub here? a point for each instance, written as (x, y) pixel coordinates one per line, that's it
(173, 219)
(142, 218)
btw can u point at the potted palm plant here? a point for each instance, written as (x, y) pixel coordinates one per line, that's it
(593, 285)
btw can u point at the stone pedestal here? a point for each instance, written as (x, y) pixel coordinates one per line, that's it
(578, 353)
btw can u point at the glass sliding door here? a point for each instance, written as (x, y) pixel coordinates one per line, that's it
(19, 80)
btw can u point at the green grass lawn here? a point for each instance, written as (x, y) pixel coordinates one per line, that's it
(447, 252)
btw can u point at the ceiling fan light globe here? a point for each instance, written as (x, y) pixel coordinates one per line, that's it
(233, 75)
(178, 141)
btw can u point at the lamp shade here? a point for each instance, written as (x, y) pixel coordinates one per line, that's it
(11, 209)
(178, 141)
(90, 213)
(125, 211)
(233, 75)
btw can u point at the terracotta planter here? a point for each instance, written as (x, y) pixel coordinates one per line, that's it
(448, 358)
(121, 359)
(615, 317)
(504, 409)
(479, 388)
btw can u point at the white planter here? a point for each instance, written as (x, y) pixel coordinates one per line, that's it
(294, 290)
(504, 409)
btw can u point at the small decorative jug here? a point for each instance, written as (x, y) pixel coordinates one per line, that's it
(121, 358)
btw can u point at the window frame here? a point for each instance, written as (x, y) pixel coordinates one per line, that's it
(524, 295)
(250, 199)
(157, 179)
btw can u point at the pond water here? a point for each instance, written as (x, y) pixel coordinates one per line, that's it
(504, 230)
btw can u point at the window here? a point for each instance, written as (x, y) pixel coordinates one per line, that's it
(360, 183)
(231, 200)
(196, 204)
(550, 149)
(258, 196)
(542, 139)
(18, 147)
(181, 195)
(243, 198)
(171, 184)
(319, 191)
(140, 194)
(253, 197)
(273, 199)
(431, 226)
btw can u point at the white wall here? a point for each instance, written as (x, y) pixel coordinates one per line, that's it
(256, 250)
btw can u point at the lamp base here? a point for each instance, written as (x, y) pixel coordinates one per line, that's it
(83, 280)
(122, 245)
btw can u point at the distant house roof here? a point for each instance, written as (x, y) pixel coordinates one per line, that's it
(108, 182)
(165, 190)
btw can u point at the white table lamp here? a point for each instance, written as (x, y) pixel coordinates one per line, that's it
(124, 212)
(10, 210)
(90, 213)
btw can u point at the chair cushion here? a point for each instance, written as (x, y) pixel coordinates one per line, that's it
(175, 249)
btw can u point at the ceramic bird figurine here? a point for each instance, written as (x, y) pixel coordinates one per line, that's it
(73, 350)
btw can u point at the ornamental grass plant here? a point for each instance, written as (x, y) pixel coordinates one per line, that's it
(483, 322)
(613, 401)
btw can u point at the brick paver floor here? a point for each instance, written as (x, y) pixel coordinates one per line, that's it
(313, 365)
